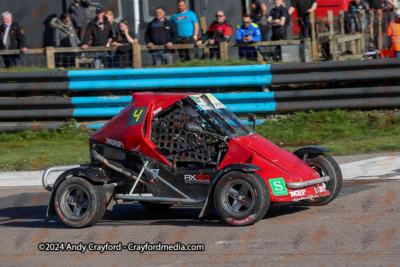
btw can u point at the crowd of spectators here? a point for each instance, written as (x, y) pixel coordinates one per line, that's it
(267, 22)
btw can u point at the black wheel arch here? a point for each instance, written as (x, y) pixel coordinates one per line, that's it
(209, 204)
(317, 150)
(91, 174)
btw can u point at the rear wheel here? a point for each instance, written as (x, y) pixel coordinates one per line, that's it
(155, 206)
(79, 203)
(325, 165)
(241, 198)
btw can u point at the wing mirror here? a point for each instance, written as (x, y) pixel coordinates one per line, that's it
(252, 118)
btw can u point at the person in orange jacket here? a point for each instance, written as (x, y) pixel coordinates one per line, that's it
(394, 32)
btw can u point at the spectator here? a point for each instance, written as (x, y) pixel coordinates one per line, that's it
(219, 31)
(65, 36)
(12, 37)
(259, 16)
(188, 27)
(248, 32)
(277, 19)
(304, 8)
(79, 17)
(353, 19)
(124, 43)
(99, 29)
(115, 29)
(394, 32)
(161, 31)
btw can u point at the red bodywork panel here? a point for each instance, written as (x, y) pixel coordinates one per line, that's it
(131, 138)
(274, 163)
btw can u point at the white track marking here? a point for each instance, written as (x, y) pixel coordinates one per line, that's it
(375, 168)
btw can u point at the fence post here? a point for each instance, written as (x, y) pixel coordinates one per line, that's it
(137, 56)
(362, 19)
(362, 13)
(203, 26)
(343, 45)
(307, 50)
(223, 50)
(358, 46)
(371, 26)
(379, 29)
(332, 39)
(50, 57)
(313, 35)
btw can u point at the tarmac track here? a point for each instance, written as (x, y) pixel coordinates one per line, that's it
(359, 228)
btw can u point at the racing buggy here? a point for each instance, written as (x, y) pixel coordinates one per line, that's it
(180, 148)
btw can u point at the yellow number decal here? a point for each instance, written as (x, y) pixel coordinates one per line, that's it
(137, 116)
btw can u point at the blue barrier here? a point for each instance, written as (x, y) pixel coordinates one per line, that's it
(165, 72)
(196, 77)
(225, 97)
(237, 102)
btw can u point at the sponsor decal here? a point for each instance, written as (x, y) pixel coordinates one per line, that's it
(278, 187)
(320, 188)
(114, 143)
(216, 103)
(155, 171)
(181, 18)
(157, 111)
(197, 179)
(136, 116)
(243, 221)
(297, 193)
(200, 102)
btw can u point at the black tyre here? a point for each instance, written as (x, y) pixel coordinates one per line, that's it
(241, 198)
(325, 165)
(79, 203)
(155, 206)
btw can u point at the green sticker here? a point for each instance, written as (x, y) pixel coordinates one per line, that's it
(278, 186)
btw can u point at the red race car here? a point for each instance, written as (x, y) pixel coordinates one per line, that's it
(165, 149)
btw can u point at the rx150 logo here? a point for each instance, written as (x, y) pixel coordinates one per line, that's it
(197, 179)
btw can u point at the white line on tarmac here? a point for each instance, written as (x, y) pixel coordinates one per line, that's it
(375, 168)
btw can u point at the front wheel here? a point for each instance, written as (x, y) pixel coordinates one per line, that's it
(325, 165)
(79, 203)
(241, 198)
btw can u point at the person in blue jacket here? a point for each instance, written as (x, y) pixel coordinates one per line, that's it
(248, 32)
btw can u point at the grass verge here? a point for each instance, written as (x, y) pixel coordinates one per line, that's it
(341, 131)
(28, 150)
